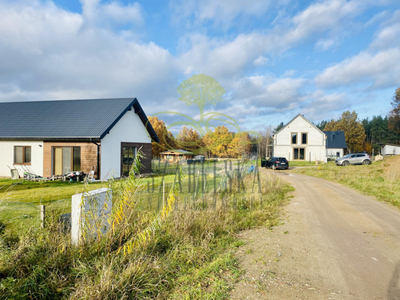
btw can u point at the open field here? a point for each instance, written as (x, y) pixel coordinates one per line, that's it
(188, 255)
(381, 179)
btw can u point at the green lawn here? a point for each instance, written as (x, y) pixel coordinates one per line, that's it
(301, 163)
(20, 199)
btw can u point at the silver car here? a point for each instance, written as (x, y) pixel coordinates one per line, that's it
(354, 159)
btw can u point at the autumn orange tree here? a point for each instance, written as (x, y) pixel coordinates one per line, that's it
(240, 145)
(353, 130)
(207, 141)
(167, 140)
(221, 139)
(189, 139)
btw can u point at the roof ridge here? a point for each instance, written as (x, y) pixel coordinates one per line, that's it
(69, 100)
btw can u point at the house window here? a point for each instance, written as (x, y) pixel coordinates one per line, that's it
(294, 138)
(22, 155)
(298, 154)
(304, 138)
(66, 160)
(128, 157)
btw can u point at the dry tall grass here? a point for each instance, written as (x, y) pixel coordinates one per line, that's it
(188, 256)
(391, 168)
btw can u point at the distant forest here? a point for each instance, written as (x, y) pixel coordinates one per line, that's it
(377, 131)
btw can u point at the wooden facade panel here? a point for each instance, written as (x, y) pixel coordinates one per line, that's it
(88, 156)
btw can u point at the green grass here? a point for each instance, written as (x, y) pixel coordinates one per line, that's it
(190, 256)
(299, 163)
(208, 166)
(380, 179)
(20, 199)
(40, 192)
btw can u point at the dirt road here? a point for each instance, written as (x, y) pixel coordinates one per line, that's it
(335, 244)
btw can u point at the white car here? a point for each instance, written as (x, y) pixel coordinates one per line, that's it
(354, 159)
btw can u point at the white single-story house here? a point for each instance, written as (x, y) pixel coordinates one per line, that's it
(335, 143)
(391, 150)
(300, 139)
(49, 138)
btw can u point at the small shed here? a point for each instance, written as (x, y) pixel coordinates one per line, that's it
(391, 150)
(174, 155)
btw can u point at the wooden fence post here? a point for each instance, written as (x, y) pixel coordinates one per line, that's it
(163, 194)
(42, 215)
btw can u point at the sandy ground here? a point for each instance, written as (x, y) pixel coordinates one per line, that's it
(335, 243)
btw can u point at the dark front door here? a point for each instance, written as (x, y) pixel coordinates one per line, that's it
(128, 153)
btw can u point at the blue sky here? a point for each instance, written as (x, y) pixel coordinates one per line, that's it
(275, 59)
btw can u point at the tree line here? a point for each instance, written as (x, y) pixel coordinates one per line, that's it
(368, 134)
(218, 143)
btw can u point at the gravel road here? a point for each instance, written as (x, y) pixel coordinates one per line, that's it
(335, 243)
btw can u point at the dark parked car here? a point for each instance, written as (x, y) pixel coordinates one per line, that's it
(354, 159)
(276, 163)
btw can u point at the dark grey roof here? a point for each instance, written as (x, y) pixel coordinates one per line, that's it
(66, 119)
(335, 139)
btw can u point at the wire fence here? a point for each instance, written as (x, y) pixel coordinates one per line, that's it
(206, 185)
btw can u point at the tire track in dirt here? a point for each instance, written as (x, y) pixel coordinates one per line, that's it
(335, 244)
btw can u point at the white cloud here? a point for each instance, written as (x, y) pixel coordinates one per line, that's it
(377, 67)
(269, 92)
(216, 58)
(111, 13)
(325, 106)
(289, 73)
(260, 61)
(378, 18)
(321, 17)
(51, 53)
(48, 52)
(380, 70)
(228, 9)
(220, 12)
(388, 37)
(326, 44)
(219, 57)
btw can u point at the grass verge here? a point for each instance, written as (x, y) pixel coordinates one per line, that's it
(380, 179)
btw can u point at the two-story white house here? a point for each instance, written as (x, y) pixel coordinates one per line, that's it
(300, 140)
